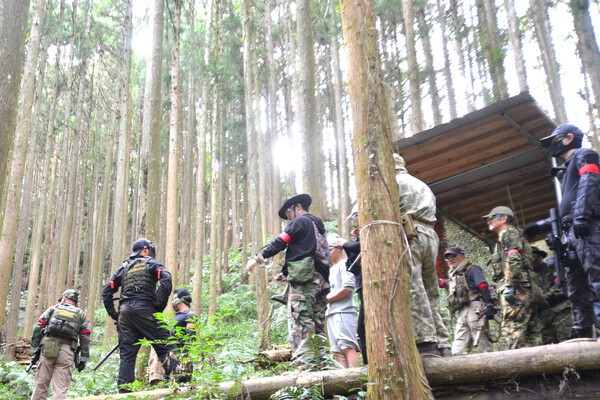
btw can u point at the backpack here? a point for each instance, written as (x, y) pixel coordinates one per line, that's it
(322, 252)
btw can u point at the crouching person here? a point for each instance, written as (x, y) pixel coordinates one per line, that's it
(58, 331)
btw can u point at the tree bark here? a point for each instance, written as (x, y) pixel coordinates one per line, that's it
(413, 67)
(441, 17)
(148, 211)
(425, 33)
(395, 369)
(172, 228)
(514, 36)
(13, 27)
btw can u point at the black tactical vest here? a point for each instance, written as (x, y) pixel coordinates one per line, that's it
(64, 322)
(138, 282)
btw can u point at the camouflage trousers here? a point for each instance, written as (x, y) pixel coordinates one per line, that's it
(421, 311)
(555, 323)
(430, 244)
(307, 303)
(519, 328)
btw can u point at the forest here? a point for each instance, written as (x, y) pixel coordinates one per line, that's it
(189, 122)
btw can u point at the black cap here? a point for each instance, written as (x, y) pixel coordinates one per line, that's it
(561, 130)
(454, 250)
(303, 199)
(184, 295)
(139, 245)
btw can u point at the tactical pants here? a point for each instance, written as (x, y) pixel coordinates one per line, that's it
(423, 322)
(428, 236)
(555, 323)
(469, 317)
(518, 328)
(59, 371)
(136, 323)
(583, 277)
(303, 323)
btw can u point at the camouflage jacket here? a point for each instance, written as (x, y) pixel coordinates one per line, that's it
(512, 259)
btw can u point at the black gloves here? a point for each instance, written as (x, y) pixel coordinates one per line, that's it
(490, 311)
(581, 227)
(81, 366)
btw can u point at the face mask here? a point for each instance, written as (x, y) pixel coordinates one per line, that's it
(175, 303)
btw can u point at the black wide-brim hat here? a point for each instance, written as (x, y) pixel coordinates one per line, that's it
(303, 199)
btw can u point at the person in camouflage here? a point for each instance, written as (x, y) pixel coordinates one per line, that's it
(306, 299)
(58, 330)
(511, 262)
(555, 321)
(417, 202)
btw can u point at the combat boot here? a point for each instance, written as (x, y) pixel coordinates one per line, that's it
(428, 349)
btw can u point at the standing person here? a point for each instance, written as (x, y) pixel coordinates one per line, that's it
(306, 267)
(146, 287)
(469, 294)
(58, 330)
(341, 310)
(511, 263)
(353, 264)
(417, 204)
(579, 211)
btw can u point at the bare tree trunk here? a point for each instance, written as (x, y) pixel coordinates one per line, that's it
(121, 198)
(22, 131)
(413, 67)
(441, 18)
(306, 113)
(340, 134)
(13, 27)
(458, 24)
(588, 51)
(541, 22)
(514, 36)
(253, 217)
(424, 33)
(150, 144)
(395, 369)
(172, 227)
(492, 47)
(214, 204)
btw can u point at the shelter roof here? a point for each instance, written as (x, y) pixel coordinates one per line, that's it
(487, 158)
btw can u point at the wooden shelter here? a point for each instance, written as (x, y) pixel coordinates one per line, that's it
(487, 158)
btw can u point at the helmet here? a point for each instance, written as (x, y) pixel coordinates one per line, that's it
(71, 294)
(140, 244)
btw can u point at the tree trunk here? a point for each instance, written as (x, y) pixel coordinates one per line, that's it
(587, 49)
(425, 33)
(492, 48)
(13, 27)
(395, 369)
(340, 132)
(121, 198)
(514, 36)
(441, 18)
(413, 67)
(148, 211)
(214, 202)
(541, 22)
(461, 49)
(306, 113)
(172, 228)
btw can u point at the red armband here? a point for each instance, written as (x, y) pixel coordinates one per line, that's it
(511, 252)
(112, 285)
(159, 272)
(41, 321)
(482, 285)
(85, 331)
(589, 169)
(285, 237)
(442, 283)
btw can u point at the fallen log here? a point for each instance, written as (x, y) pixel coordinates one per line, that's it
(475, 370)
(578, 354)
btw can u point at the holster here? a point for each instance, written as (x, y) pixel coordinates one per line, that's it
(409, 227)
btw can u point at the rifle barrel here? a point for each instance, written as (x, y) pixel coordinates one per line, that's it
(115, 347)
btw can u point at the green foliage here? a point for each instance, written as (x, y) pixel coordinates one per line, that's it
(314, 355)
(292, 392)
(15, 382)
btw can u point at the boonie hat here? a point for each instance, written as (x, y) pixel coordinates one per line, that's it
(536, 250)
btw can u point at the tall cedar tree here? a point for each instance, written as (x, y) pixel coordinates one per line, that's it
(395, 369)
